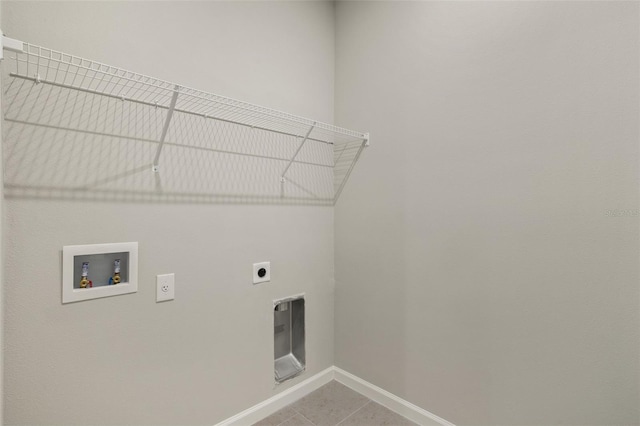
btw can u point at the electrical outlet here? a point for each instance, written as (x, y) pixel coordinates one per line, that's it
(261, 272)
(165, 287)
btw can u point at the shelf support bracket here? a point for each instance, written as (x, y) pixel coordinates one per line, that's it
(10, 44)
(363, 145)
(282, 179)
(165, 128)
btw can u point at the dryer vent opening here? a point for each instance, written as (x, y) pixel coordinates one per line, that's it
(288, 338)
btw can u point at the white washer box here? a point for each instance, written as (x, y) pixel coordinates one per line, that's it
(101, 258)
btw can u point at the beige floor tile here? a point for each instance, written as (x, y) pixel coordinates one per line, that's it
(277, 418)
(375, 414)
(330, 404)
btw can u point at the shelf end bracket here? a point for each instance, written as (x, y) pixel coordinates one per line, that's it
(165, 129)
(363, 145)
(10, 44)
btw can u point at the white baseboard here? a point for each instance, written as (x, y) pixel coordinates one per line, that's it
(389, 400)
(279, 401)
(371, 391)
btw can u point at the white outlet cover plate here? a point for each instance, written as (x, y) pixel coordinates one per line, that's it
(267, 277)
(165, 287)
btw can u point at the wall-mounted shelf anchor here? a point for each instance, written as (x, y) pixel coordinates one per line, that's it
(10, 44)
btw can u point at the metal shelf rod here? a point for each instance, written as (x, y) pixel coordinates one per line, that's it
(127, 76)
(178, 145)
(183, 111)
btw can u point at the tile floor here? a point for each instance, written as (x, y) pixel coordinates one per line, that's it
(331, 405)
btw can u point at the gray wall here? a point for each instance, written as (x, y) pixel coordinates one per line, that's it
(208, 354)
(1, 274)
(478, 274)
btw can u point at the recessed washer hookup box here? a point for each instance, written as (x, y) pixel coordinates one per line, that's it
(99, 270)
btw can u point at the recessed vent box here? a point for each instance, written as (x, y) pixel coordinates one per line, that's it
(288, 338)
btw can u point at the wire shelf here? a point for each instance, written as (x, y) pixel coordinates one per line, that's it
(70, 124)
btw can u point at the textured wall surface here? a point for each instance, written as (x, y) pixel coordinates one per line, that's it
(479, 271)
(208, 354)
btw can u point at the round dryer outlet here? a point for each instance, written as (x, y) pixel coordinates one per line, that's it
(261, 272)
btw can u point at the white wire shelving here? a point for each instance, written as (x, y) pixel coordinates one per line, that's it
(77, 124)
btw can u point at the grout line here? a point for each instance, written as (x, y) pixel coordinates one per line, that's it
(307, 419)
(300, 414)
(365, 404)
(286, 420)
